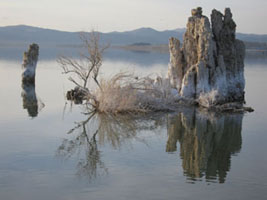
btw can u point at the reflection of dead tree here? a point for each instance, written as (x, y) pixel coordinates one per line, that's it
(92, 166)
(104, 129)
(119, 129)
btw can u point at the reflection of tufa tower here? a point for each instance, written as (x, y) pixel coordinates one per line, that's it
(206, 142)
(30, 59)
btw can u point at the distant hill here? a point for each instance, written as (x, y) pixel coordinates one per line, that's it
(142, 35)
(22, 34)
(27, 34)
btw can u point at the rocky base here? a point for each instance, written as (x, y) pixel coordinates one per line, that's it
(233, 107)
(77, 95)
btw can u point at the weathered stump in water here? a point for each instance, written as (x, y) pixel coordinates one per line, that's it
(28, 94)
(30, 59)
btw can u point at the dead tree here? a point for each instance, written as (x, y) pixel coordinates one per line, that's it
(88, 65)
(85, 68)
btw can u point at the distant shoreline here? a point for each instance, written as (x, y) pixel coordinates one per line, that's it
(144, 48)
(252, 48)
(261, 48)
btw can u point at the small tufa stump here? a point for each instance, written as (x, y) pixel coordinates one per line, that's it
(77, 95)
(30, 59)
(28, 94)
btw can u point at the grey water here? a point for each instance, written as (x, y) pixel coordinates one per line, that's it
(50, 149)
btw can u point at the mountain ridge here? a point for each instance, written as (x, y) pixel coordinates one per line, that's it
(17, 34)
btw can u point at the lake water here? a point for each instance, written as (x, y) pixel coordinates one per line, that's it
(49, 149)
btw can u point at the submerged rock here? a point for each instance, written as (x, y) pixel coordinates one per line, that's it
(77, 95)
(209, 67)
(30, 59)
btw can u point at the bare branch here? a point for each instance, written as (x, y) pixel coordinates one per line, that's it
(87, 66)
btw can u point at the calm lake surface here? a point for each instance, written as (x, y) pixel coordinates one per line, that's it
(51, 150)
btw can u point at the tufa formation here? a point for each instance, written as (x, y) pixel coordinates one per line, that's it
(209, 67)
(28, 94)
(30, 59)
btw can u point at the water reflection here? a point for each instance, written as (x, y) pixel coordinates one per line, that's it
(120, 129)
(30, 102)
(100, 129)
(207, 142)
(91, 165)
(29, 99)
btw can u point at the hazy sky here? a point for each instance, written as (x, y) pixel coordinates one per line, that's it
(121, 15)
